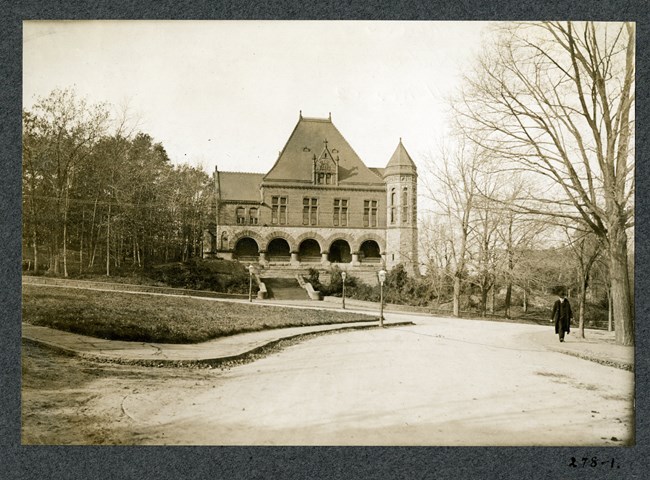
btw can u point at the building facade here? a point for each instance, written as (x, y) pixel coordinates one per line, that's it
(318, 206)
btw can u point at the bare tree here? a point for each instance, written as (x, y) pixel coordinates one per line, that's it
(586, 248)
(518, 232)
(435, 248)
(60, 133)
(487, 218)
(455, 191)
(556, 100)
(31, 187)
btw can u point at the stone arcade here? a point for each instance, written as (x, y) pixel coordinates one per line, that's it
(318, 206)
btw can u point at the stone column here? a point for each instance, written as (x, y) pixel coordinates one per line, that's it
(355, 259)
(295, 261)
(323, 259)
(383, 259)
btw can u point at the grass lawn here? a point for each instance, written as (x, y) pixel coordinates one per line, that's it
(154, 318)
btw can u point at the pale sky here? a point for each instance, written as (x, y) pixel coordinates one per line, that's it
(230, 92)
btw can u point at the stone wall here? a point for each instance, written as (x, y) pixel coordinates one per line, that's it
(401, 235)
(295, 196)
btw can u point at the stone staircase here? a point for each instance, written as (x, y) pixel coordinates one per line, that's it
(366, 273)
(284, 289)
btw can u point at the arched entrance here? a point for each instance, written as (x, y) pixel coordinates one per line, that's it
(278, 250)
(369, 252)
(309, 251)
(246, 250)
(340, 252)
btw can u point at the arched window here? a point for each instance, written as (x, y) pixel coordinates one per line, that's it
(405, 205)
(392, 205)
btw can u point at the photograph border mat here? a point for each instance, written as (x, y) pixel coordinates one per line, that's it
(18, 461)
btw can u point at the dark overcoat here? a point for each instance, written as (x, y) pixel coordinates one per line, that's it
(562, 315)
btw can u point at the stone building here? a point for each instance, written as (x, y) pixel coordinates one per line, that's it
(318, 206)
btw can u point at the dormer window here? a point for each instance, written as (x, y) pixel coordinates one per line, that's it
(325, 178)
(325, 167)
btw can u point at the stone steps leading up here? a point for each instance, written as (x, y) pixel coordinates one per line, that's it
(283, 288)
(366, 273)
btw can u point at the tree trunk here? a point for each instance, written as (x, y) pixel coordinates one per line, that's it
(493, 303)
(621, 295)
(609, 309)
(508, 300)
(93, 252)
(583, 304)
(484, 295)
(65, 241)
(34, 229)
(457, 296)
(119, 246)
(81, 241)
(193, 240)
(54, 254)
(108, 243)
(66, 207)
(525, 305)
(35, 248)
(92, 242)
(54, 264)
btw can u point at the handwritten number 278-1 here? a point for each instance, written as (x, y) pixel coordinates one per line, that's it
(592, 462)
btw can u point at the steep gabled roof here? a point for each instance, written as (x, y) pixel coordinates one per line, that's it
(242, 186)
(295, 162)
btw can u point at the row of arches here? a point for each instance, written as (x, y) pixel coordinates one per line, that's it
(228, 240)
(309, 251)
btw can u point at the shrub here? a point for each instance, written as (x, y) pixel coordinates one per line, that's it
(199, 274)
(594, 314)
(399, 288)
(362, 291)
(335, 287)
(313, 277)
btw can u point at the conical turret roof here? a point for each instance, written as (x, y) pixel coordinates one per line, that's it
(400, 162)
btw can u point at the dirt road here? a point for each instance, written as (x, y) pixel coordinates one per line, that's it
(440, 382)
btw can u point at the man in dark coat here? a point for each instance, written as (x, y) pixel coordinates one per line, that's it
(562, 316)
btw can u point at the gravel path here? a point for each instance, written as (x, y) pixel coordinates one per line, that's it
(439, 382)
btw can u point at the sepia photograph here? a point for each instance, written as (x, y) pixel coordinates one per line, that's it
(328, 233)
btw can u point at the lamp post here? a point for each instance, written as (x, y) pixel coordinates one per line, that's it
(251, 269)
(343, 275)
(382, 278)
